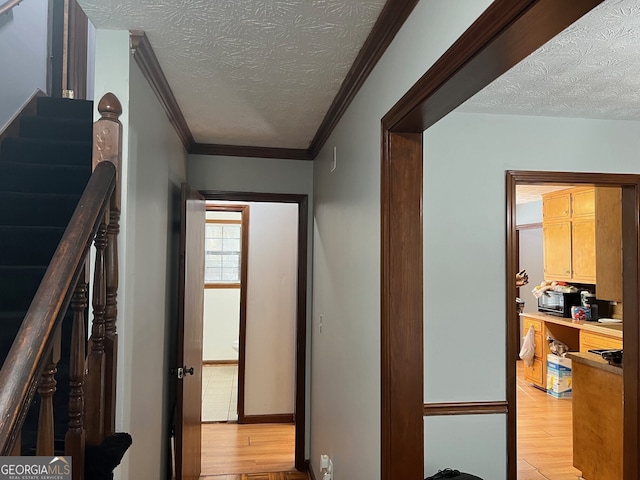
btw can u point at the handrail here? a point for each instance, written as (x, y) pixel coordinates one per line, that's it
(28, 355)
(8, 5)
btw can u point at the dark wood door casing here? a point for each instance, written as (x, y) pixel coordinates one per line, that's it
(301, 301)
(504, 34)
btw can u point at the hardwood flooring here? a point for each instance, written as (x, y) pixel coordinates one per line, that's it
(245, 452)
(545, 436)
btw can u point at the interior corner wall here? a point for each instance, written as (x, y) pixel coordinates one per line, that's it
(468, 178)
(24, 62)
(154, 166)
(346, 389)
(270, 365)
(262, 175)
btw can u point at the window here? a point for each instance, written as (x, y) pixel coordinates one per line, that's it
(222, 252)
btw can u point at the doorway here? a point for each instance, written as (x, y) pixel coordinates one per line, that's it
(506, 33)
(300, 315)
(545, 424)
(225, 311)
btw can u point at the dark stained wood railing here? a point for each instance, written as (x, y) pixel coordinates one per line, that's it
(31, 363)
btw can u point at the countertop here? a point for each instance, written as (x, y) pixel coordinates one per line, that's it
(611, 329)
(595, 361)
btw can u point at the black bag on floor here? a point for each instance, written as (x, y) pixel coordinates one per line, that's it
(450, 473)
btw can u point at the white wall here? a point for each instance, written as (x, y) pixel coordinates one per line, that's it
(271, 309)
(23, 55)
(221, 323)
(266, 175)
(345, 391)
(154, 165)
(470, 175)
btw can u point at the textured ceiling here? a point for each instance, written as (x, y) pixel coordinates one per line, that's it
(591, 70)
(533, 193)
(248, 72)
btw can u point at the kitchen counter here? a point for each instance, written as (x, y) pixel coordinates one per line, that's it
(610, 329)
(594, 361)
(597, 400)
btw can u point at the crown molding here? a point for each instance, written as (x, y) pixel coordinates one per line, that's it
(146, 59)
(247, 151)
(391, 19)
(393, 15)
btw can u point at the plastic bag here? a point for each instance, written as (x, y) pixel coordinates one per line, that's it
(528, 349)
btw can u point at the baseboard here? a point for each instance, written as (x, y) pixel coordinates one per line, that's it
(220, 362)
(309, 470)
(276, 418)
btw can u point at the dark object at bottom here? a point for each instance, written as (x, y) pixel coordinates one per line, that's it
(450, 473)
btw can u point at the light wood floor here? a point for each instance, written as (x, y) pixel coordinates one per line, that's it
(245, 452)
(545, 437)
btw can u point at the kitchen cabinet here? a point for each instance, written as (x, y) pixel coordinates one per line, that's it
(595, 341)
(598, 417)
(577, 336)
(536, 373)
(609, 243)
(569, 235)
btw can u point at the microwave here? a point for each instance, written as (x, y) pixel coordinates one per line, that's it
(558, 303)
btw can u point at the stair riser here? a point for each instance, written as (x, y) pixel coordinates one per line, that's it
(28, 150)
(54, 129)
(28, 246)
(15, 177)
(44, 210)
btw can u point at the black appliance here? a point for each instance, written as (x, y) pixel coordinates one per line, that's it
(558, 303)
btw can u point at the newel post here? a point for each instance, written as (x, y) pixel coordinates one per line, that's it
(107, 147)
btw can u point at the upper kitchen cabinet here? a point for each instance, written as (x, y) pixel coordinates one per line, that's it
(582, 236)
(568, 221)
(609, 243)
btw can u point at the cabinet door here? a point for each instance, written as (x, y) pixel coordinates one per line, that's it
(556, 206)
(583, 250)
(534, 373)
(556, 239)
(583, 202)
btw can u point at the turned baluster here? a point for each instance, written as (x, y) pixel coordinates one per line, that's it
(75, 437)
(110, 317)
(46, 389)
(95, 381)
(108, 147)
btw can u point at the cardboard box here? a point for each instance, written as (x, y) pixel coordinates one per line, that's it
(558, 376)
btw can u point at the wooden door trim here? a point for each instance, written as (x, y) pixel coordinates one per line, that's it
(504, 34)
(244, 277)
(630, 184)
(301, 300)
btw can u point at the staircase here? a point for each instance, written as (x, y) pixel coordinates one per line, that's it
(43, 173)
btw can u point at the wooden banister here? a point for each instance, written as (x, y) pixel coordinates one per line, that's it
(28, 354)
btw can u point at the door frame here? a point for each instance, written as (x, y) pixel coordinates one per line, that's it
(244, 269)
(507, 32)
(301, 301)
(630, 185)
